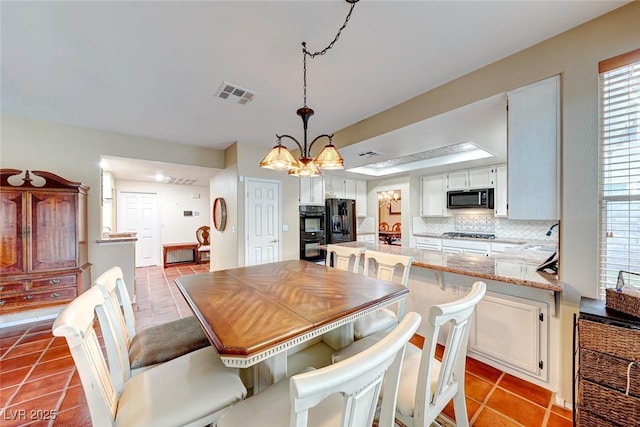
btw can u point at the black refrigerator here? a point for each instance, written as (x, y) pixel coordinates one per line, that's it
(340, 220)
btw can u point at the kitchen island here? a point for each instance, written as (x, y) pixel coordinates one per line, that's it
(516, 325)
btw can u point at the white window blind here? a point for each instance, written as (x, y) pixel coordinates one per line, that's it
(620, 167)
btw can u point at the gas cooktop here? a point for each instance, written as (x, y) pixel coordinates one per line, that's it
(469, 235)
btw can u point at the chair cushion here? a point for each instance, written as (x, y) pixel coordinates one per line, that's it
(408, 376)
(317, 356)
(272, 407)
(179, 391)
(380, 320)
(204, 248)
(164, 342)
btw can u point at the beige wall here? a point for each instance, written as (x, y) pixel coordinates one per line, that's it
(574, 55)
(74, 153)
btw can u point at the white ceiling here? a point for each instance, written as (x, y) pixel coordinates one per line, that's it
(152, 68)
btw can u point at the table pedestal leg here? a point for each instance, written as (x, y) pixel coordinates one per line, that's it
(269, 371)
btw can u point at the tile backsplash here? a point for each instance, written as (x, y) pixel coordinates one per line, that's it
(501, 227)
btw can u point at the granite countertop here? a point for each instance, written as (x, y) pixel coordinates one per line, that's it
(507, 267)
(116, 239)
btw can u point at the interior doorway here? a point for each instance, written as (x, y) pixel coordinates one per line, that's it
(389, 217)
(138, 212)
(262, 221)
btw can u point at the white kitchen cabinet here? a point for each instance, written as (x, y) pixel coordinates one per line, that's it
(350, 191)
(311, 191)
(533, 150)
(470, 247)
(458, 180)
(500, 193)
(482, 178)
(361, 197)
(334, 187)
(429, 243)
(512, 331)
(433, 195)
(471, 179)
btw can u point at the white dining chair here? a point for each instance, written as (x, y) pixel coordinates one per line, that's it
(426, 384)
(153, 345)
(344, 394)
(344, 257)
(190, 390)
(386, 266)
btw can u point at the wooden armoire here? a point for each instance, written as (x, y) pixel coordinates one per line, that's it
(43, 232)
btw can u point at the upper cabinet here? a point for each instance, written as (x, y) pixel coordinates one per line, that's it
(433, 195)
(314, 191)
(533, 151)
(471, 179)
(311, 191)
(501, 186)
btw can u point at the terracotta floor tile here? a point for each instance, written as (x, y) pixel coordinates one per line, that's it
(516, 408)
(23, 361)
(36, 336)
(472, 408)
(7, 343)
(14, 377)
(556, 420)
(31, 347)
(73, 397)
(483, 370)
(562, 411)
(491, 418)
(476, 388)
(529, 391)
(53, 353)
(52, 367)
(6, 394)
(76, 417)
(33, 389)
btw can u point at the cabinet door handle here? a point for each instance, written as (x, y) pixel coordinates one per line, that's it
(54, 281)
(56, 295)
(27, 297)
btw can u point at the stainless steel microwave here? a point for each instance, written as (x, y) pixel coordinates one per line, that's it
(470, 199)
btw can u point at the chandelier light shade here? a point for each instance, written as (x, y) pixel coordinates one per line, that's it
(279, 158)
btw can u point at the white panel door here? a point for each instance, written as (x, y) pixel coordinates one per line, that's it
(138, 212)
(263, 221)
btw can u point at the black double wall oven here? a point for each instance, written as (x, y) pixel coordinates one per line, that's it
(312, 232)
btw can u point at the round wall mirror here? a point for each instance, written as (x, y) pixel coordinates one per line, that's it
(219, 214)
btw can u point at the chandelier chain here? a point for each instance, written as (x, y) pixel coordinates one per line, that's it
(306, 53)
(323, 51)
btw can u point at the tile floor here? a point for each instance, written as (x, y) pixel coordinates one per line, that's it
(39, 385)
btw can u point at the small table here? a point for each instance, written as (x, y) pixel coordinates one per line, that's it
(252, 315)
(171, 247)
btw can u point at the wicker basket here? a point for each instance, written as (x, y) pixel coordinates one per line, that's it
(609, 371)
(619, 409)
(619, 342)
(589, 419)
(623, 302)
(620, 301)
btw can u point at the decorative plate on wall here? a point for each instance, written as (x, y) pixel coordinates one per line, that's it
(219, 214)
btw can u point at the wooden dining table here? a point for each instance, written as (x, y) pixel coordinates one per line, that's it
(253, 315)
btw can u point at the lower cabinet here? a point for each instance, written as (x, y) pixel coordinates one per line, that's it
(512, 331)
(466, 247)
(429, 243)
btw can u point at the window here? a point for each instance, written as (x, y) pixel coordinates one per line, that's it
(619, 167)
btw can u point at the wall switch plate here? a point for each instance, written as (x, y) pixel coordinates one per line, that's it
(285, 227)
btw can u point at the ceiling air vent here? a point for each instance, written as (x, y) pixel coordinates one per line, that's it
(234, 93)
(369, 154)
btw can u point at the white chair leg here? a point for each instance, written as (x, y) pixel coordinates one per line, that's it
(460, 408)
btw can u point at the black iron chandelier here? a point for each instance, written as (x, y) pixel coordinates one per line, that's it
(279, 158)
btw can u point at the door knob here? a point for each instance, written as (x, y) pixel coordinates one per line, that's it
(274, 241)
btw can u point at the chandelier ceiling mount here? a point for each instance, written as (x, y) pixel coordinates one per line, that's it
(279, 158)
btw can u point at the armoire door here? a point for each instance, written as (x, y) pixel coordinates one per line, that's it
(12, 231)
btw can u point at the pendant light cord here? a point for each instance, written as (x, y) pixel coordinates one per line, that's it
(306, 53)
